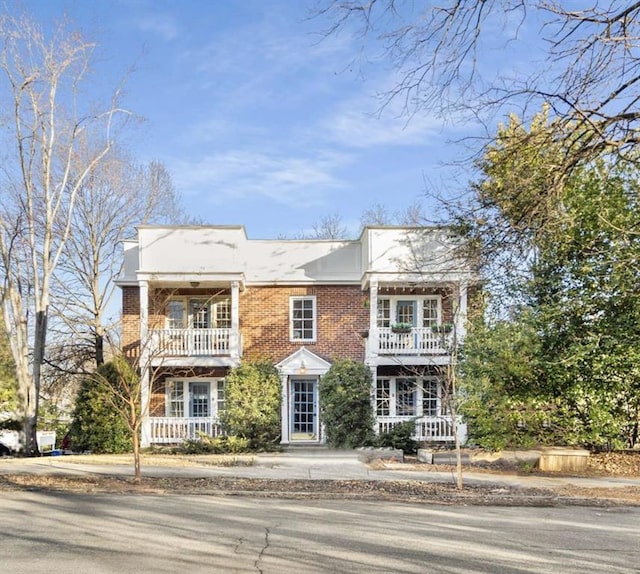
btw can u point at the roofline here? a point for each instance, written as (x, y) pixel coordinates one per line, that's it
(404, 228)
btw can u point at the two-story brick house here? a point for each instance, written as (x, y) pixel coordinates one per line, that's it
(198, 300)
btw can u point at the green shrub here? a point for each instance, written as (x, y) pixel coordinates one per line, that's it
(252, 404)
(400, 436)
(214, 445)
(97, 425)
(345, 403)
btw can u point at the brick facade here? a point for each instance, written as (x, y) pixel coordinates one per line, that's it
(131, 321)
(342, 317)
(341, 313)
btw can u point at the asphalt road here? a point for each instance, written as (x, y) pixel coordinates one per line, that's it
(96, 534)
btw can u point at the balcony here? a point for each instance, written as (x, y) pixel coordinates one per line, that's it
(427, 429)
(196, 342)
(417, 341)
(174, 430)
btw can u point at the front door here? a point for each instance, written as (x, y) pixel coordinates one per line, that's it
(304, 410)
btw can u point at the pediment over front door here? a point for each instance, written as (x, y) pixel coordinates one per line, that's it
(303, 362)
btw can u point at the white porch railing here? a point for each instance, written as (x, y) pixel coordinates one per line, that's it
(427, 429)
(196, 342)
(418, 341)
(172, 430)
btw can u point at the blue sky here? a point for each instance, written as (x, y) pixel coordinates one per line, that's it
(259, 120)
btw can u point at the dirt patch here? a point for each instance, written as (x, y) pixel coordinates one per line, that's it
(409, 491)
(398, 491)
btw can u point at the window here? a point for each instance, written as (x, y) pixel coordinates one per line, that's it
(199, 313)
(220, 396)
(430, 398)
(409, 397)
(405, 398)
(302, 316)
(199, 399)
(422, 311)
(176, 316)
(430, 312)
(221, 311)
(175, 399)
(383, 397)
(406, 312)
(384, 312)
(194, 398)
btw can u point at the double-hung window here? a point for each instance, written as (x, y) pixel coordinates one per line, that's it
(384, 312)
(302, 318)
(176, 314)
(431, 312)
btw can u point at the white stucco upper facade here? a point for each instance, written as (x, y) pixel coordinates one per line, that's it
(213, 254)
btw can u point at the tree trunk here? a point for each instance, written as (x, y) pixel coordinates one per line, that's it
(99, 349)
(137, 473)
(33, 395)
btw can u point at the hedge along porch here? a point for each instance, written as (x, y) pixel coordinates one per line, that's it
(300, 374)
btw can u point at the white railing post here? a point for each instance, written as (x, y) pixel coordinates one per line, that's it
(234, 336)
(374, 336)
(145, 353)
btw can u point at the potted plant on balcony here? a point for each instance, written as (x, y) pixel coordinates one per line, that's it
(401, 327)
(443, 328)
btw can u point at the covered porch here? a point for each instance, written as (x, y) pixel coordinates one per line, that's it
(174, 430)
(430, 429)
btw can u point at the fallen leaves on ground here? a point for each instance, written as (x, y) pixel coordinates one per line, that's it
(368, 490)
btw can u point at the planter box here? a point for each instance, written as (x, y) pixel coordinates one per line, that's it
(369, 454)
(563, 460)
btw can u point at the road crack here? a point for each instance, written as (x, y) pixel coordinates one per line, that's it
(236, 550)
(267, 532)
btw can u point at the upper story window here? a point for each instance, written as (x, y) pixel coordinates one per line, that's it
(384, 312)
(200, 313)
(302, 318)
(418, 312)
(176, 315)
(431, 312)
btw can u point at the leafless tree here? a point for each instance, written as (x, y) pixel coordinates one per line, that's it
(378, 214)
(411, 216)
(118, 195)
(585, 63)
(40, 84)
(327, 227)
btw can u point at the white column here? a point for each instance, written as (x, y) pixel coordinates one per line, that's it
(461, 318)
(374, 375)
(284, 409)
(235, 321)
(144, 366)
(372, 344)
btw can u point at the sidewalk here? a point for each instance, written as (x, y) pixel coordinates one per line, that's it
(307, 465)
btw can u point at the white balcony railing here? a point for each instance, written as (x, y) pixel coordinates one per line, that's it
(173, 430)
(427, 429)
(418, 341)
(196, 342)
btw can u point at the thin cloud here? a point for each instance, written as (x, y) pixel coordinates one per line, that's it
(161, 24)
(242, 174)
